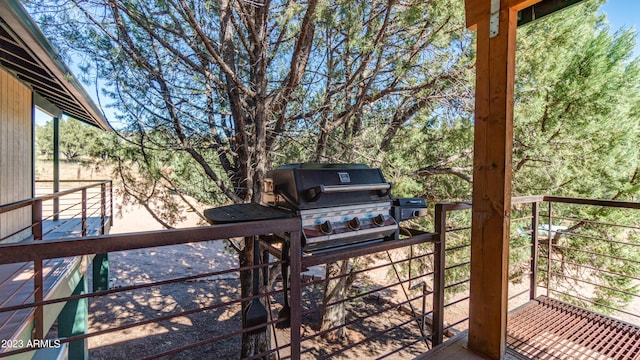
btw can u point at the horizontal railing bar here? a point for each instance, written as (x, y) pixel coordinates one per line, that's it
(356, 272)
(457, 265)
(356, 318)
(454, 324)
(456, 301)
(456, 248)
(454, 206)
(462, 228)
(595, 222)
(363, 294)
(528, 217)
(457, 284)
(174, 315)
(214, 339)
(597, 269)
(595, 303)
(594, 253)
(594, 284)
(601, 239)
(137, 287)
(375, 334)
(527, 199)
(12, 253)
(74, 181)
(594, 202)
(28, 202)
(519, 294)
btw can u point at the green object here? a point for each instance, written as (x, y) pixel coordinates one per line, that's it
(101, 272)
(73, 320)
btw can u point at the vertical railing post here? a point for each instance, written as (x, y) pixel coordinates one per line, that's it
(38, 282)
(295, 264)
(103, 208)
(84, 211)
(111, 203)
(438, 275)
(533, 286)
(100, 263)
(56, 167)
(36, 219)
(38, 287)
(549, 248)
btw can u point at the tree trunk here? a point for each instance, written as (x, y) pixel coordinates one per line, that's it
(335, 291)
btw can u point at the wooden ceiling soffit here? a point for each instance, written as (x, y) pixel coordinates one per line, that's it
(528, 10)
(25, 52)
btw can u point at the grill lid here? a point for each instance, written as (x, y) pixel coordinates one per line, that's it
(315, 185)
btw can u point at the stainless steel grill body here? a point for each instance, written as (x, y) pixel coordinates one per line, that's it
(338, 204)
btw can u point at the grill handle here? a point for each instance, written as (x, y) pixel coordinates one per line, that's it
(315, 192)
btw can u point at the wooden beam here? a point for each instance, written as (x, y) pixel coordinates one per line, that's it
(476, 10)
(493, 134)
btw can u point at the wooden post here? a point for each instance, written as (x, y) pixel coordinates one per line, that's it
(491, 209)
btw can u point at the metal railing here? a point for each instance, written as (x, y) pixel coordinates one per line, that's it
(88, 207)
(59, 248)
(81, 208)
(406, 299)
(386, 305)
(401, 297)
(583, 252)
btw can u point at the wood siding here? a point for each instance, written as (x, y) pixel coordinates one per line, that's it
(16, 168)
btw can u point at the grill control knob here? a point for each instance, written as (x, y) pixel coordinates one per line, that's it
(326, 227)
(354, 224)
(378, 220)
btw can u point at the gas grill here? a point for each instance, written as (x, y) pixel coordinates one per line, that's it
(338, 204)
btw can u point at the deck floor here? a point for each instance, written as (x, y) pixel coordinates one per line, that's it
(549, 329)
(17, 283)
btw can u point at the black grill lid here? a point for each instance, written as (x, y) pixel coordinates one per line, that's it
(314, 185)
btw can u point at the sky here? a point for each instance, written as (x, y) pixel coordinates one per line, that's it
(624, 14)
